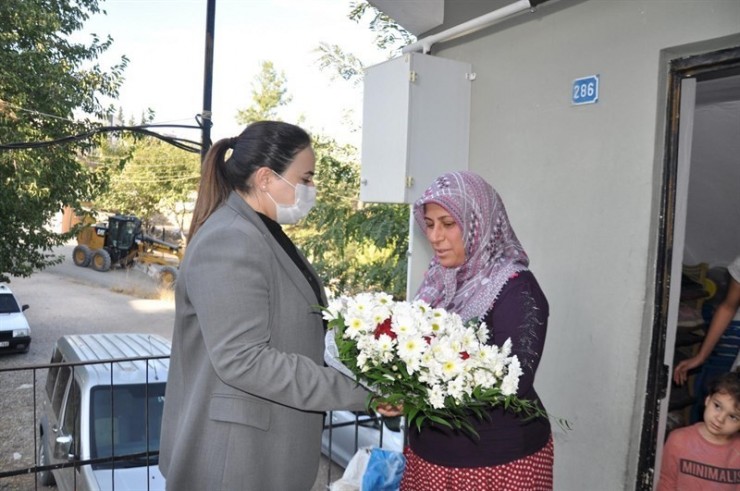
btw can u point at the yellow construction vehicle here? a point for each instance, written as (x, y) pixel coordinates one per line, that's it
(121, 242)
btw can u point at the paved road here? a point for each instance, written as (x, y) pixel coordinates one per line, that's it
(133, 281)
(66, 299)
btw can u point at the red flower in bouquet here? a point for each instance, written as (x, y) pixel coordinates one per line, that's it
(385, 328)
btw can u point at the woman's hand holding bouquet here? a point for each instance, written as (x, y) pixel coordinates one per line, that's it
(422, 361)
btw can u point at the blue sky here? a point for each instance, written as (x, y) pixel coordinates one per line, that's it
(165, 43)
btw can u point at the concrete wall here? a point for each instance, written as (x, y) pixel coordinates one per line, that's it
(581, 185)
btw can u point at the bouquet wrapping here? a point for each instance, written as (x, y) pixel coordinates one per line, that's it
(425, 359)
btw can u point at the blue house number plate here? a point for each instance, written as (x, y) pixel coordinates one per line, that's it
(585, 90)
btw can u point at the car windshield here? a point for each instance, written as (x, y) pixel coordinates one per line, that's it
(119, 422)
(8, 305)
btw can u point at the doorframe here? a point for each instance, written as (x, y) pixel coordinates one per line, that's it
(702, 66)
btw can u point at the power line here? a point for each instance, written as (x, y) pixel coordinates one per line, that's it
(161, 179)
(61, 118)
(34, 112)
(144, 129)
(142, 161)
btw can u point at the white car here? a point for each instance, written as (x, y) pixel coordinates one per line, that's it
(347, 431)
(96, 408)
(15, 334)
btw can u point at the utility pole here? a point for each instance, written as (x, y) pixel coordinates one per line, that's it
(205, 116)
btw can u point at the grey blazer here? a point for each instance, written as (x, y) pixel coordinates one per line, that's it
(247, 388)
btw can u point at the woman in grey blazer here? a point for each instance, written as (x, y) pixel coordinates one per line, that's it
(247, 388)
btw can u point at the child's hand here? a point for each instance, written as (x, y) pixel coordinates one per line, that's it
(681, 373)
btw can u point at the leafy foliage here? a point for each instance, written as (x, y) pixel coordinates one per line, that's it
(269, 92)
(342, 64)
(389, 35)
(354, 246)
(45, 77)
(148, 177)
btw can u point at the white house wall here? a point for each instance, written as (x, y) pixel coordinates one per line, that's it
(582, 187)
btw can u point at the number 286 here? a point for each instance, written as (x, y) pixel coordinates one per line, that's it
(584, 91)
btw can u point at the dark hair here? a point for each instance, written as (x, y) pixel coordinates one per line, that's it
(272, 144)
(727, 383)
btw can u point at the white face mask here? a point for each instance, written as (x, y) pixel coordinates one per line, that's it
(305, 199)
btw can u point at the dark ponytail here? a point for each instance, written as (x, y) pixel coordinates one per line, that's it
(270, 144)
(213, 188)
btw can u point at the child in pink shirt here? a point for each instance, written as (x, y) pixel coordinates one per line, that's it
(706, 455)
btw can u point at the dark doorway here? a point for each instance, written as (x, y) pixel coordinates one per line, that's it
(709, 66)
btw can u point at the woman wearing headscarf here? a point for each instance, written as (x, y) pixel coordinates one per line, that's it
(480, 271)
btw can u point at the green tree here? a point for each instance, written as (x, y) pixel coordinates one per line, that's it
(390, 37)
(358, 246)
(149, 178)
(269, 92)
(354, 246)
(340, 63)
(44, 78)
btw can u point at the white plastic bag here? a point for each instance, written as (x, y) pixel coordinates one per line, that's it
(352, 478)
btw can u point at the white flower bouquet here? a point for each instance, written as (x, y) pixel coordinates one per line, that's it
(425, 359)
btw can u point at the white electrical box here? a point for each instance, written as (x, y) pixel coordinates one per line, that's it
(415, 125)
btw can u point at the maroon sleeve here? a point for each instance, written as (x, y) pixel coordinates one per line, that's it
(520, 313)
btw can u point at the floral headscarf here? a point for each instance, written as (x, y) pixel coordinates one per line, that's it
(493, 254)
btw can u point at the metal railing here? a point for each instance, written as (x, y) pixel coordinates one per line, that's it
(73, 460)
(344, 431)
